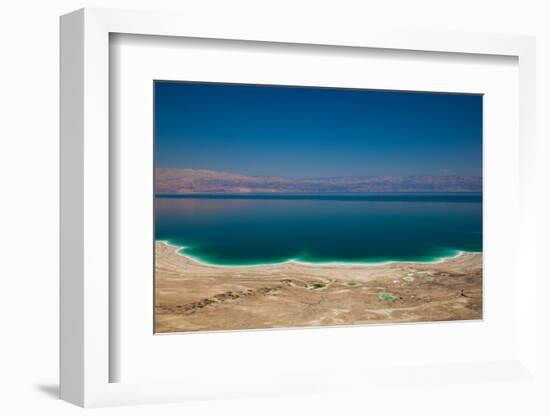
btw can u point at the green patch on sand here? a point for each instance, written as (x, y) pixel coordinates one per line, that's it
(386, 297)
(316, 286)
(352, 284)
(408, 278)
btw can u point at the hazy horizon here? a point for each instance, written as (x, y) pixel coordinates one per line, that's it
(283, 176)
(193, 181)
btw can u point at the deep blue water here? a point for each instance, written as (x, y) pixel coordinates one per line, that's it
(255, 229)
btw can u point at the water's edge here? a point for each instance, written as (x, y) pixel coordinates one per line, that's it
(179, 249)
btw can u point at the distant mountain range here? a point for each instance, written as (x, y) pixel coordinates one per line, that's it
(192, 181)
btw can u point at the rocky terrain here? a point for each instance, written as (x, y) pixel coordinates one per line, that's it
(192, 296)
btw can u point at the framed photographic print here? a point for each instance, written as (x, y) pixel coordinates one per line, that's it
(286, 206)
(263, 211)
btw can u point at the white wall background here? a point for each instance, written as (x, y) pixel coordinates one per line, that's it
(29, 207)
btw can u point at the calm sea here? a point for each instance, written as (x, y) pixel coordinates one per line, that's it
(254, 229)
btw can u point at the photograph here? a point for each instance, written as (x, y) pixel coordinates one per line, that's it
(280, 206)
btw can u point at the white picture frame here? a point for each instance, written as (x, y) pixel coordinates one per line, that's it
(85, 207)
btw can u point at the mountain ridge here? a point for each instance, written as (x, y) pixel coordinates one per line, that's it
(194, 181)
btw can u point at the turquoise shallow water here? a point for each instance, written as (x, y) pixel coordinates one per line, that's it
(259, 229)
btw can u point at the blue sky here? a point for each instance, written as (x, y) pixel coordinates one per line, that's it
(316, 132)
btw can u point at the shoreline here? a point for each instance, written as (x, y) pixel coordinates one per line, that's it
(193, 296)
(179, 250)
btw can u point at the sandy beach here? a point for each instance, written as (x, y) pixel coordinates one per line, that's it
(193, 296)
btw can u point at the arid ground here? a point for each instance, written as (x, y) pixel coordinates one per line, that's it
(192, 296)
